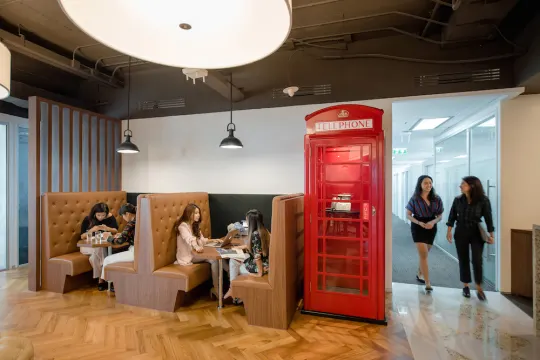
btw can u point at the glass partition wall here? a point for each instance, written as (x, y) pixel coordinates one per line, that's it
(470, 152)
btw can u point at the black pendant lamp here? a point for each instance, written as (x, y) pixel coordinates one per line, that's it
(231, 142)
(127, 147)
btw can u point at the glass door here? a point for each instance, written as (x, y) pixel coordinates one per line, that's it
(483, 163)
(451, 166)
(3, 197)
(343, 177)
(22, 193)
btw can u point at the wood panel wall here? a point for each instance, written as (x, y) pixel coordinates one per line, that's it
(70, 150)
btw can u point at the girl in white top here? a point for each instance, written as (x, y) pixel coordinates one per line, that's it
(189, 237)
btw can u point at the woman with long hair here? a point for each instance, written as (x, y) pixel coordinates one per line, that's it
(98, 221)
(258, 250)
(127, 236)
(424, 211)
(467, 211)
(189, 237)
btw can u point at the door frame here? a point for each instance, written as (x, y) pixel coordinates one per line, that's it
(13, 123)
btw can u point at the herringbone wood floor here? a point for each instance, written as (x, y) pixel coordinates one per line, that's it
(87, 324)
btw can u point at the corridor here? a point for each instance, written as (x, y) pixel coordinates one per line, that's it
(444, 270)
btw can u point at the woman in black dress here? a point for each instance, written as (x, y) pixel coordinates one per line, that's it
(99, 220)
(468, 210)
(424, 210)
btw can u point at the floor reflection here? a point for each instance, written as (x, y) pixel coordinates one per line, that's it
(444, 325)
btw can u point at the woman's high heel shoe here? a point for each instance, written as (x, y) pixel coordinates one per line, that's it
(213, 293)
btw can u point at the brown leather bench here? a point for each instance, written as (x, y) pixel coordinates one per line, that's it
(154, 281)
(64, 268)
(271, 300)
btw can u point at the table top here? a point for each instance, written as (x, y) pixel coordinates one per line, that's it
(99, 244)
(210, 253)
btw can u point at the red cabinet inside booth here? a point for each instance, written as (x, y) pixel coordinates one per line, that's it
(344, 213)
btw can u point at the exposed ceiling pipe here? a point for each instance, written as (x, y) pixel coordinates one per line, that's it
(324, 2)
(417, 60)
(78, 49)
(370, 17)
(100, 60)
(435, 8)
(128, 64)
(39, 53)
(440, 2)
(339, 36)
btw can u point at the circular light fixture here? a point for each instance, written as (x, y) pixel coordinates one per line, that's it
(5, 71)
(222, 34)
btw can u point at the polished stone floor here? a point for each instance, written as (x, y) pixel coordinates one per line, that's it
(444, 325)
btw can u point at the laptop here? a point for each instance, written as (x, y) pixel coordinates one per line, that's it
(226, 240)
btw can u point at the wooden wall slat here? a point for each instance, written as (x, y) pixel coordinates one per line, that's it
(89, 185)
(50, 147)
(61, 149)
(105, 174)
(70, 150)
(80, 150)
(34, 214)
(98, 154)
(36, 167)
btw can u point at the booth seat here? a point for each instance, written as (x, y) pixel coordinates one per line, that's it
(271, 300)
(153, 280)
(64, 268)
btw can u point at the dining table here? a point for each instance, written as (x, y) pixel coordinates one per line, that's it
(210, 253)
(101, 243)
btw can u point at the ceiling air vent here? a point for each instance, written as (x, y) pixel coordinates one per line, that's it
(162, 104)
(304, 91)
(458, 78)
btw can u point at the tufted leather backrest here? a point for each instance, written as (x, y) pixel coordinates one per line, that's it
(63, 213)
(165, 209)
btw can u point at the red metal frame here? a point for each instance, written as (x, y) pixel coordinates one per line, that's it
(345, 126)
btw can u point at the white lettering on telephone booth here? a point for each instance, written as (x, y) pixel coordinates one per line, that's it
(344, 125)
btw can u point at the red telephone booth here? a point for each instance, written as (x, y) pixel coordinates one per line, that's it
(344, 213)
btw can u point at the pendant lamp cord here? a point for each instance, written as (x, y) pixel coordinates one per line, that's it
(230, 96)
(129, 92)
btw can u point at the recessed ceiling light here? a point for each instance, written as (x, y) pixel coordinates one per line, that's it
(429, 124)
(220, 30)
(489, 123)
(460, 157)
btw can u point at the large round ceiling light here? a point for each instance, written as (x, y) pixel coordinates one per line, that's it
(5, 71)
(200, 34)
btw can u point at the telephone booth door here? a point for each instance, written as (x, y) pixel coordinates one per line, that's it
(344, 214)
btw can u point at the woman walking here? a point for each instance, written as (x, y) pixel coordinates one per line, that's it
(424, 210)
(468, 210)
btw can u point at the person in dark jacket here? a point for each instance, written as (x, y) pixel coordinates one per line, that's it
(467, 212)
(424, 211)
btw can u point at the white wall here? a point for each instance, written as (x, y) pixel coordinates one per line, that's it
(520, 173)
(181, 153)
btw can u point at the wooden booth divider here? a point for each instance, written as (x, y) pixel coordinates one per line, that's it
(70, 150)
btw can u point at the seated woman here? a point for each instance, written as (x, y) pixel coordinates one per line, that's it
(258, 250)
(99, 220)
(189, 237)
(127, 236)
